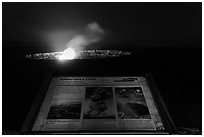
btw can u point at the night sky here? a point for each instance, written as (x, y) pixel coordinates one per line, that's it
(165, 39)
(129, 24)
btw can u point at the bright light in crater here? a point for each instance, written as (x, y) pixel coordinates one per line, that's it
(68, 54)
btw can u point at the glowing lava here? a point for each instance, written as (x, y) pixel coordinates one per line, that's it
(68, 54)
(72, 54)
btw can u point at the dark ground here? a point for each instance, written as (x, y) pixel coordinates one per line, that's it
(165, 40)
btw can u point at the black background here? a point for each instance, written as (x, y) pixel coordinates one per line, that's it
(164, 39)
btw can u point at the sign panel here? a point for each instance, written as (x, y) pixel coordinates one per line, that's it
(98, 103)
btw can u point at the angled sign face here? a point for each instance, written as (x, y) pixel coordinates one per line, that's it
(98, 104)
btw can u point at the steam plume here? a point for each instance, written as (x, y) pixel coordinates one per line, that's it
(91, 34)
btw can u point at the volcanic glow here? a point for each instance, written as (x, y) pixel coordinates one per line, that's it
(68, 54)
(75, 48)
(92, 33)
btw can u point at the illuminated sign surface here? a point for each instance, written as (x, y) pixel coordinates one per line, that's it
(98, 103)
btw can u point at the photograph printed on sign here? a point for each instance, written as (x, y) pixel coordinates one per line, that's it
(99, 103)
(131, 103)
(65, 110)
(66, 103)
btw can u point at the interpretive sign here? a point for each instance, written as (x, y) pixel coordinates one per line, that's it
(98, 103)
